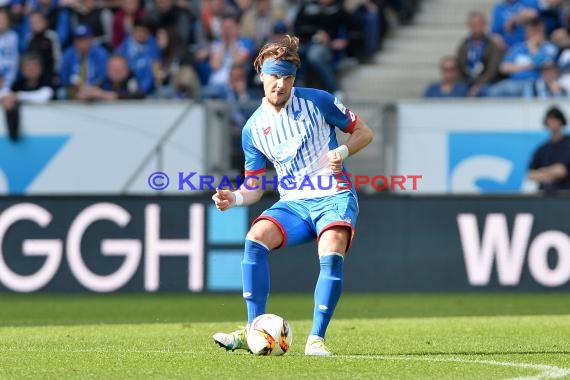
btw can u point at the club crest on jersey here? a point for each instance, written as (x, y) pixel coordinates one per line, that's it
(296, 115)
(266, 130)
(287, 150)
(339, 105)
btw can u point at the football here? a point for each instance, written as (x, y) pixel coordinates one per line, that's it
(269, 334)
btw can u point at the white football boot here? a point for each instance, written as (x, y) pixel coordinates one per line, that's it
(316, 347)
(236, 340)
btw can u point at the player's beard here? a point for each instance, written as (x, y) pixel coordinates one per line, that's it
(279, 100)
(278, 103)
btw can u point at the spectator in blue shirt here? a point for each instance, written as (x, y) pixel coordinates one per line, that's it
(9, 56)
(231, 48)
(510, 17)
(119, 83)
(83, 64)
(142, 53)
(450, 85)
(523, 61)
(547, 86)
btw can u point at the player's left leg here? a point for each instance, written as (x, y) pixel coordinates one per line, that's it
(332, 248)
(335, 218)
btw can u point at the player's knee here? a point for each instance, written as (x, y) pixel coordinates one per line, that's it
(266, 232)
(335, 239)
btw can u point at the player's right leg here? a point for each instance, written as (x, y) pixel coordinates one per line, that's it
(275, 228)
(263, 236)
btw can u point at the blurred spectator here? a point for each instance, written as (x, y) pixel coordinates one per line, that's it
(365, 23)
(45, 43)
(547, 86)
(124, 20)
(84, 63)
(212, 14)
(239, 93)
(166, 14)
(280, 29)
(564, 68)
(9, 55)
(243, 101)
(58, 17)
(450, 85)
(550, 163)
(142, 53)
(523, 61)
(30, 87)
(231, 49)
(113, 5)
(119, 83)
(552, 14)
(99, 19)
(478, 55)
(404, 10)
(16, 10)
(242, 6)
(510, 17)
(257, 22)
(561, 36)
(176, 77)
(321, 27)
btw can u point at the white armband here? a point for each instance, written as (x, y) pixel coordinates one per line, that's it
(239, 198)
(343, 151)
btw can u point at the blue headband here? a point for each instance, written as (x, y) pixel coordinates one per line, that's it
(278, 67)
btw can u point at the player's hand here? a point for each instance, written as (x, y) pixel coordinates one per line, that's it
(224, 199)
(335, 162)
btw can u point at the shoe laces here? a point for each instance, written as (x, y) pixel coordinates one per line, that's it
(241, 335)
(319, 343)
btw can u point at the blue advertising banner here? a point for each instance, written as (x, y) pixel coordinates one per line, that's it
(490, 162)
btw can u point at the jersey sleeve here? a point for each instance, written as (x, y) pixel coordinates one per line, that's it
(334, 112)
(254, 160)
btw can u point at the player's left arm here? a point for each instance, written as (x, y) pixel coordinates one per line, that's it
(336, 114)
(360, 136)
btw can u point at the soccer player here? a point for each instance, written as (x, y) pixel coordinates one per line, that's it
(294, 129)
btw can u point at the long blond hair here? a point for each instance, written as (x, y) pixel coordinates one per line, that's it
(287, 49)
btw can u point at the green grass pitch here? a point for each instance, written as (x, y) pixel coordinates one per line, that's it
(374, 336)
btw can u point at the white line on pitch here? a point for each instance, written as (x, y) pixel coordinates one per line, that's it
(547, 371)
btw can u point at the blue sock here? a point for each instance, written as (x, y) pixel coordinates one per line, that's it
(255, 278)
(327, 292)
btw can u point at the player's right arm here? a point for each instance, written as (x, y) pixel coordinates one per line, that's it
(249, 193)
(252, 189)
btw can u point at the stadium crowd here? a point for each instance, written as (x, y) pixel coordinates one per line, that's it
(524, 53)
(177, 49)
